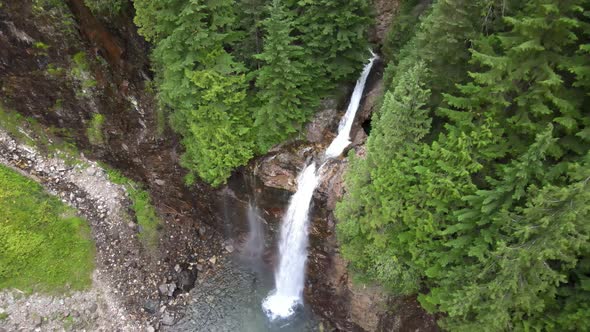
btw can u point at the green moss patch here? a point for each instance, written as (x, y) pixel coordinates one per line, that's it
(145, 213)
(44, 247)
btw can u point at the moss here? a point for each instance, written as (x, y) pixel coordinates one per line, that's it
(3, 316)
(44, 247)
(41, 48)
(54, 71)
(81, 72)
(94, 131)
(145, 213)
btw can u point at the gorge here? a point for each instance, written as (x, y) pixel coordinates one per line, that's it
(204, 165)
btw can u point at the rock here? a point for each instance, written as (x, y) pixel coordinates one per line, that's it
(280, 168)
(37, 321)
(213, 260)
(163, 288)
(186, 279)
(167, 289)
(93, 308)
(367, 108)
(160, 182)
(386, 10)
(167, 318)
(150, 329)
(151, 306)
(229, 248)
(171, 289)
(177, 268)
(332, 185)
(323, 123)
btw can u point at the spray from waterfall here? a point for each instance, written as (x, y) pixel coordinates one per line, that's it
(290, 276)
(254, 245)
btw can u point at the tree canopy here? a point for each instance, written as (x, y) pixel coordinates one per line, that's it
(475, 191)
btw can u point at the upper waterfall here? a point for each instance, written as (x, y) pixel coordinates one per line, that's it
(343, 139)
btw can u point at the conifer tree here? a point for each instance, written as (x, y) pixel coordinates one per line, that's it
(489, 212)
(201, 82)
(334, 36)
(285, 81)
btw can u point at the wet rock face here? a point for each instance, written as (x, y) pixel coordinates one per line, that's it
(331, 188)
(279, 168)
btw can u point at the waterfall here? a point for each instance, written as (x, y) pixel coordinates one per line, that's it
(343, 139)
(290, 276)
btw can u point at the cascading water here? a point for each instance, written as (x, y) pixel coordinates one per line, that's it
(290, 276)
(343, 139)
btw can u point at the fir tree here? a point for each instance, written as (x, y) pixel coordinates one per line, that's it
(285, 81)
(201, 82)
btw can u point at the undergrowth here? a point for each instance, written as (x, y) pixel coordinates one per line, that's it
(145, 212)
(44, 247)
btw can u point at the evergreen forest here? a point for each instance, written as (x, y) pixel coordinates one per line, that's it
(475, 189)
(474, 192)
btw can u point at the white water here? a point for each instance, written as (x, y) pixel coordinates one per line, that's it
(290, 276)
(343, 139)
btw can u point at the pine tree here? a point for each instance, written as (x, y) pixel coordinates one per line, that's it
(334, 36)
(487, 212)
(285, 81)
(201, 82)
(369, 212)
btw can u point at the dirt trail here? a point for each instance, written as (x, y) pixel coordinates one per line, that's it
(85, 187)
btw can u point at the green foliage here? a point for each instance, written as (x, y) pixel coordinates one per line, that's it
(201, 82)
(81, 71)
(285, 81)
(333, 33)
(43, 246)
(474, 191)
(402, 29)
(145, 213)
(94, 130)
(3, 315)
(108, 8)
(239, 77)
